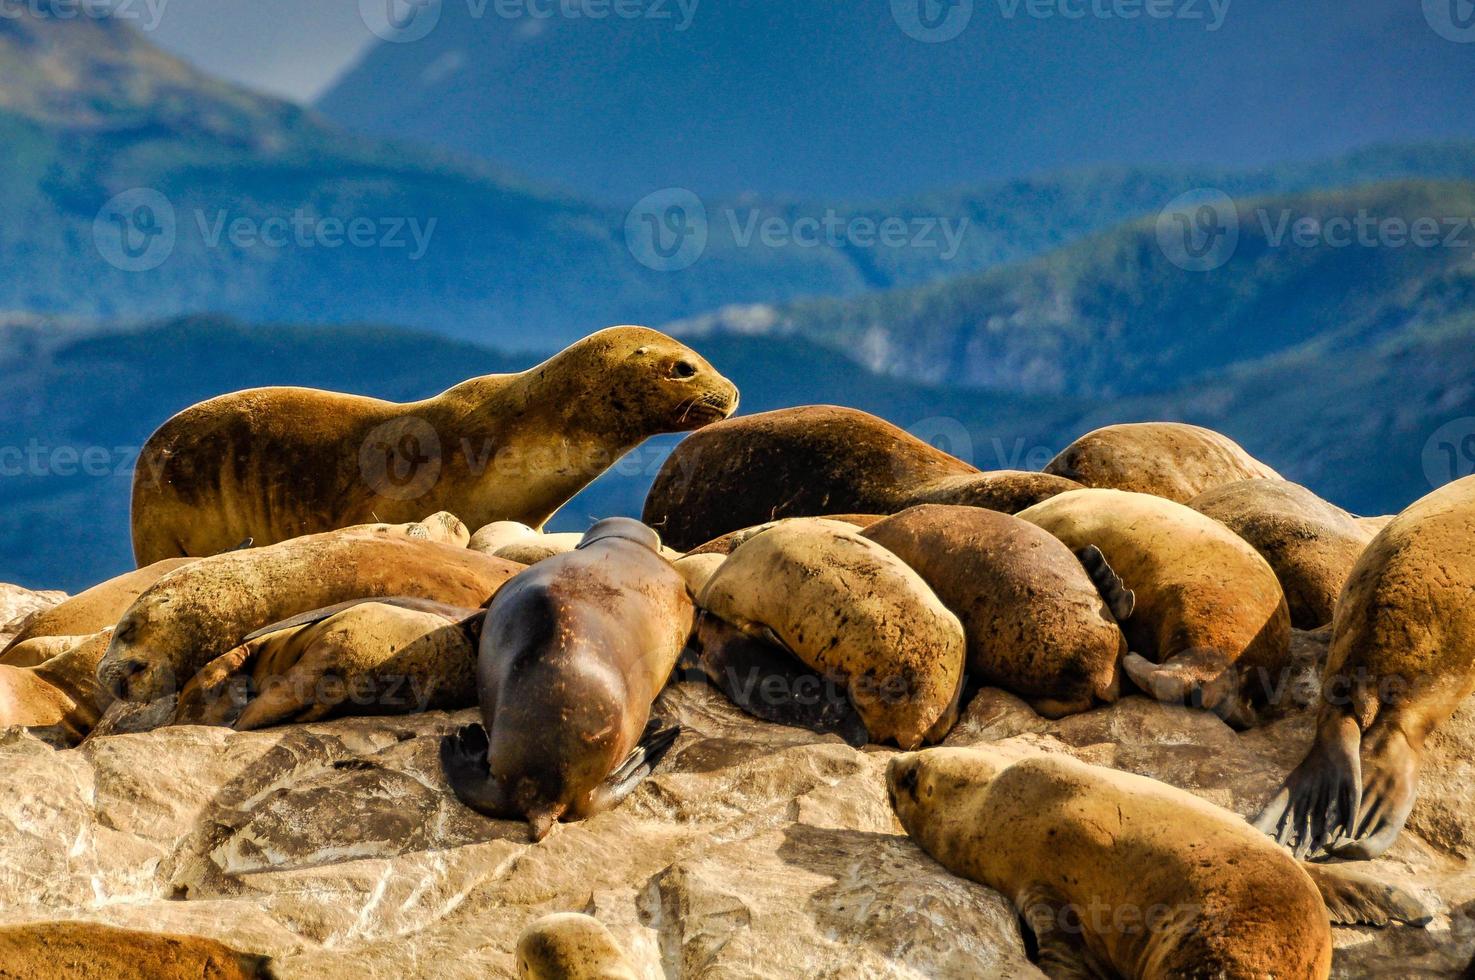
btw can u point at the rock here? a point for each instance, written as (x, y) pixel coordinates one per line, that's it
(18, 604)
(338, 850)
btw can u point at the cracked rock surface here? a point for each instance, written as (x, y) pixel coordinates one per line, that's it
(756, 850)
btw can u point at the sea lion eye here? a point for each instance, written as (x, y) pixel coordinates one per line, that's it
(683, 369)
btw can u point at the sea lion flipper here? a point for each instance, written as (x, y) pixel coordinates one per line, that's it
(463, 756)
(1061, 954)
(1121, 600)
(1355, 898)
(1321, 797)
(647, 755)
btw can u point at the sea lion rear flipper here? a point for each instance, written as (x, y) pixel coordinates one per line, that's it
(463, 756)
(647, 755)
(1321, 797)
(1198, 679)
(243, 546)
(1060, 952)
(1121, 600)
(1354, 898)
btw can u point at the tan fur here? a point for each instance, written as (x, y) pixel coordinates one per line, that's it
(93, 609)
(278, 463)
(850, 609)
(203, 610)
(1035, 623)
(1209, 608)
(88, 951)
(60, 698)
(1168, 459)
(1090, 856)
(570, 946)
(1311, 544)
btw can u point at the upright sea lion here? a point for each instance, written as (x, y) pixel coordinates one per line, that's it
(90, 610)
(813, 461)
(59, 699)
(278, 463)
(89, 951)
(1120, 875)
(573, 653)
(1311, 544)
(1211, 624)
(202, 610)
(396, 656)
(1036, 624)
(1167, 459)
(1402, 659)
(570, 946)
(853, 611)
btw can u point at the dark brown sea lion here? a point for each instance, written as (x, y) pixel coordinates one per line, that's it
(88, 951)
(278, 463)
(573, 653)
(814, 461)
(1167, 459)
(1402, 659)
(1035, 622)
(1311, 544)
(201, 611)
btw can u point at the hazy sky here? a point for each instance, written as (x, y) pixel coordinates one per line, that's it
(292, 48)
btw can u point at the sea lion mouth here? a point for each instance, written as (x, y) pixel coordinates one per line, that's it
(116, 676)
(704, 411)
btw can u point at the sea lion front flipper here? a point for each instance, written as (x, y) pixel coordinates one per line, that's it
(1060, 952)
(653, 747)
(1356, 899)
(1197, 679)
(1121, 600)
(1321, 797)
(463, 757)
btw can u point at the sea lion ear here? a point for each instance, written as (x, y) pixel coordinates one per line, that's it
(640, 352)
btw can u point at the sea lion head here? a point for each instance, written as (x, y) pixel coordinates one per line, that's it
(570, 946)
(135, 666)
(921, 784)
(623, 529)
(655, 383)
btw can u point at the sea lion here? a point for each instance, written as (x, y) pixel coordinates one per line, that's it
(1168, 459)
(396, 656)
(278, 463)
(1402, 659)
(498, 533)
(573, 653)
(1211, 624)
(88, 611)
(813, 461)
(89, 951)
(530, 551)
(60, 699)
(725, 544)
(697, 569)
(570, 946)
(203, 610)
(1116, 874)
(1311, 544)
(853, 611)
(1035, 621)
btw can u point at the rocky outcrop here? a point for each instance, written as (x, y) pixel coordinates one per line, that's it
(338, 850)
(18, 605)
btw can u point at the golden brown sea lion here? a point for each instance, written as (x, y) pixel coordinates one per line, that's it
(60, 699)
(570, 946)
(395, 656)
(814, 461)
(204, 609)
(1211, 624)
(1120, 875)
(1311, 544)
(278, 463)
(727, 543)
(1402, 659)
(88, 951)
(1035, 621)
(573, 653)
(853, 611)
(1167, 459)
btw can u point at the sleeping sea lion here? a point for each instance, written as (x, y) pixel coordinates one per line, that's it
(60, 700)
(501, 447)
(1168, 459)
(571, 946)
(89, 951)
